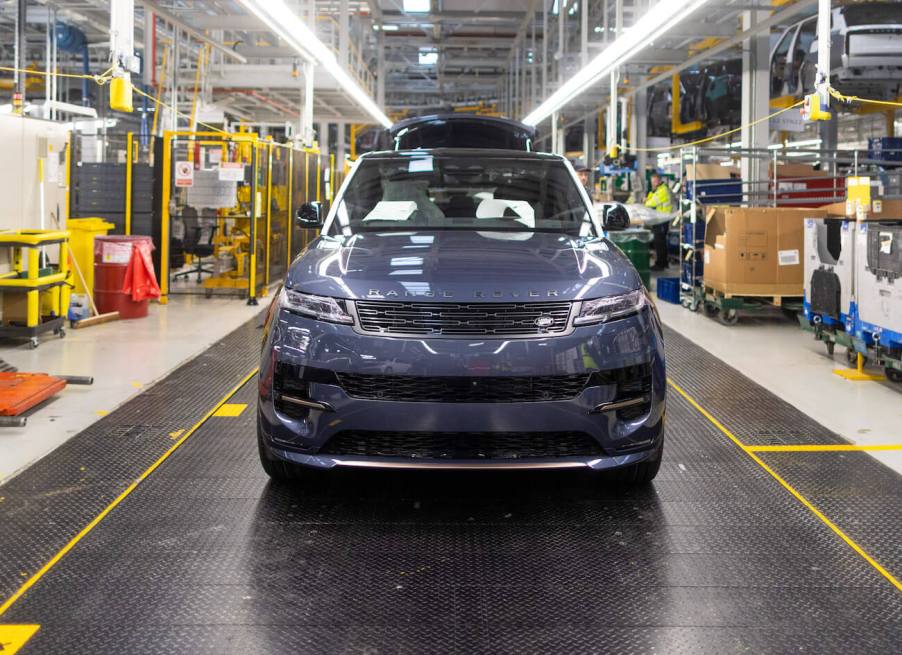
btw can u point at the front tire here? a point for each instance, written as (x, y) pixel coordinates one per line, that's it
(637, 475)
(278, 470)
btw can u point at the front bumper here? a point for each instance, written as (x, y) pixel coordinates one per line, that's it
(314, 348)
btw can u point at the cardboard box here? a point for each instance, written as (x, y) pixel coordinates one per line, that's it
(792, 171)
(878, 210)
(711, 172)
(756, 251)
(15, 308)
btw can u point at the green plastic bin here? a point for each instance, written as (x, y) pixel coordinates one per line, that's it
(634, 244)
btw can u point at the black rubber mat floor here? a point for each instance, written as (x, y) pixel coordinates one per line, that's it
(717, 556)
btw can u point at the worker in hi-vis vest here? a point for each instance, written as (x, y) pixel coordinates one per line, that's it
(659, 199)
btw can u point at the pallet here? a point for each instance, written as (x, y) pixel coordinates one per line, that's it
(726, 306)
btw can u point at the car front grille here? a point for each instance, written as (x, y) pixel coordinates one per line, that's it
(462, 445)
(439, 319)
(410, 388)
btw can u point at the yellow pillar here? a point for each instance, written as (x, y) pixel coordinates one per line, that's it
(164, 218)
(33, 298)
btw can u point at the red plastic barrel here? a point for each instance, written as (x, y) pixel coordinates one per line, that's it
(111, 258)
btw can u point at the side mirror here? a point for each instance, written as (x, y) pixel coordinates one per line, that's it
(615, 218)
(310, 215)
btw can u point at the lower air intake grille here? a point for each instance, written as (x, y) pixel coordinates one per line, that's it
(449, 319)
(411, 388)
(462, 445)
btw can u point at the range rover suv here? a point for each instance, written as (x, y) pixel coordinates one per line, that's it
(462, 309)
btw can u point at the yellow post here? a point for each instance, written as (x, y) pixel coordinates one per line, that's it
(33, 298)
(164, 218)
(354, 129)
(319, 177)
(269, 148)
(252, 255)
(129, 160)
(331, 176)
(65, 290)
(290, 201)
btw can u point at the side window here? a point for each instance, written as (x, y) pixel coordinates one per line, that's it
(778, 62)
(800, 50)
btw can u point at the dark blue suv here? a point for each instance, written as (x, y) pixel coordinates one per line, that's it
(462, 309)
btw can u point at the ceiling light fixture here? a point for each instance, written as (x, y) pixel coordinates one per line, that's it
(416, 6)
(654, 24)
(288, 26)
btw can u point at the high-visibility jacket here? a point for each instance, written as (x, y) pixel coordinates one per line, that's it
(659, 199)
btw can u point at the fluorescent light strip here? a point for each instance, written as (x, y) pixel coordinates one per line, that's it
(654, 24)
(276, 15)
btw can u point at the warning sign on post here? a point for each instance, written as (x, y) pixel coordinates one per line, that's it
(184, 173)
(231, 171)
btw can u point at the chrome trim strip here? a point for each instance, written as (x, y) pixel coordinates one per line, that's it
(434, 464)
(310, 404)
(620, 404)
(574, 311)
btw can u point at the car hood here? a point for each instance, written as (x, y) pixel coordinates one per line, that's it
(458, 266)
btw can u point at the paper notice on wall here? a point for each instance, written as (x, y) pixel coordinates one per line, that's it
(52, 168)
(215, 155)
(116, 253)
(707, 256)
(184, 173)
(231, 171)
(788, 257)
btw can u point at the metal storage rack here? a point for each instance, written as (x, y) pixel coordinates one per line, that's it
(37, 282)
(771, 191)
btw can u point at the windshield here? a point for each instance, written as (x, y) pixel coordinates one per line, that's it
(873, 14)
(443, 192)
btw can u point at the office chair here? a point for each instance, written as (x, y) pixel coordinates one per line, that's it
(197, 242)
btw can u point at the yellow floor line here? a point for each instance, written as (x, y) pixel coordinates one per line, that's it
(822, 448)
(814, 510)
(109, 508)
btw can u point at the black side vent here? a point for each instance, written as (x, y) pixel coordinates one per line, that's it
(632, 382)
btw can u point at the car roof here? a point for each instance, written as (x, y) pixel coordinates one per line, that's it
(462, 152)
(459, 116)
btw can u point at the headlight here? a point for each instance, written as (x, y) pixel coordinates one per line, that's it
(607, 309)
(321, 308)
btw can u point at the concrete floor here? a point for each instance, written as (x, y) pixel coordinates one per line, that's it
(123, 357)
(788, 362)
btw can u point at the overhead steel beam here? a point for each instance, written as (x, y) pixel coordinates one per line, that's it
(462, 15)
(166, 16)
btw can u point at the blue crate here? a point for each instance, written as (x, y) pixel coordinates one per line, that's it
(726, 191)
(668, 289)
(699, 233)
(673, 243)
(885, 148)
(686, 270)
